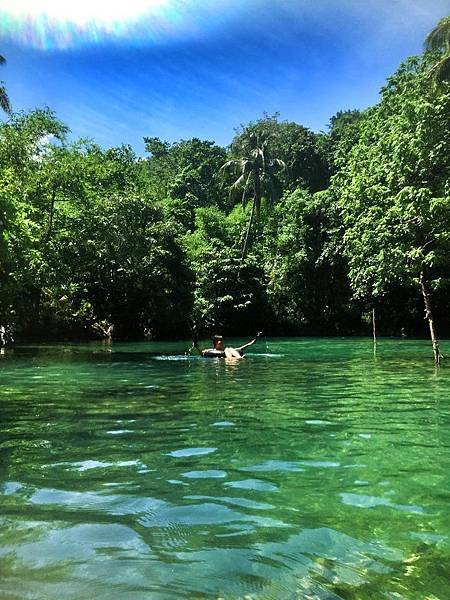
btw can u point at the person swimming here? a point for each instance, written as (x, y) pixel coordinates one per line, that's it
(219, 351)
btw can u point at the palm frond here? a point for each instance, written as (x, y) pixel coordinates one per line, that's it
(241, 184)
(4, 100)
(228, 166)
(2, 60)
(438, 40)
(263, 157)
(440, 72)
(279, 163)
(238, 183)
(269, 187)
(246, 188)
(234, 165)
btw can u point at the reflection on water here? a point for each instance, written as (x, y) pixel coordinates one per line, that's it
(308, 471)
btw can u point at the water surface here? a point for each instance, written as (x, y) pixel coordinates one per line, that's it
(311, 469)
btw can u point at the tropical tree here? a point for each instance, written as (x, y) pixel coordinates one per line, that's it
(303, 151)
(229, 292)
(394, 192)
(255, 176)
(23, 204)
(438, 41)
(4, 99)
(119, 257)
(342, 135)
(306, 273)
(185, 171)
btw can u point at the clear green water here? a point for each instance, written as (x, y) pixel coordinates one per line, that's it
(309, 470)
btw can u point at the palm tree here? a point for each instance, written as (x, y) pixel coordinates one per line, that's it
(438, 41)
(255, 175)
(4, 100)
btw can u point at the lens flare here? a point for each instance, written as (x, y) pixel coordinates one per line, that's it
(61, 24)
(80, 12)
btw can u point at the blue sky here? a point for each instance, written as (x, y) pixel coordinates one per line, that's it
(201, 68)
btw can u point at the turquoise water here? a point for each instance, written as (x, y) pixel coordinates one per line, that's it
(311, 469)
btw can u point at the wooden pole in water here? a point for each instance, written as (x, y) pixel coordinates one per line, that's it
(374, 331)
(425, 286)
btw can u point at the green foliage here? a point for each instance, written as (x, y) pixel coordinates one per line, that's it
(229, 293)
(307, 282)
(79, 246)
(438, 43)
(344, 132)
(256, 174)
(23, 144)
(5, 104)
(93, 238)
(300, 149)
(394, 187)
(125, 265)
(185, 170)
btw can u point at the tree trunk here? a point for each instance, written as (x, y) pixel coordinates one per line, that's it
(247, 235)
(374, 327)
(374, 332)
(257, 195)
(425, 287)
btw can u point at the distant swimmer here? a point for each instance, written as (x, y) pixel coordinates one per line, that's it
(219, 351)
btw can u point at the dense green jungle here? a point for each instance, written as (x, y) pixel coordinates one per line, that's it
(286, 230)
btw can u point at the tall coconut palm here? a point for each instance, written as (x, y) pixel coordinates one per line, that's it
(438, 41)
(4, 100)
(255, 176)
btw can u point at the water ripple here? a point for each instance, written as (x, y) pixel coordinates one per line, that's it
(312, 471)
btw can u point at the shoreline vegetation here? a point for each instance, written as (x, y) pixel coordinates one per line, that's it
(287, 231)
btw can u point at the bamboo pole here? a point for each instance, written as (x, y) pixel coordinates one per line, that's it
(429, 316)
